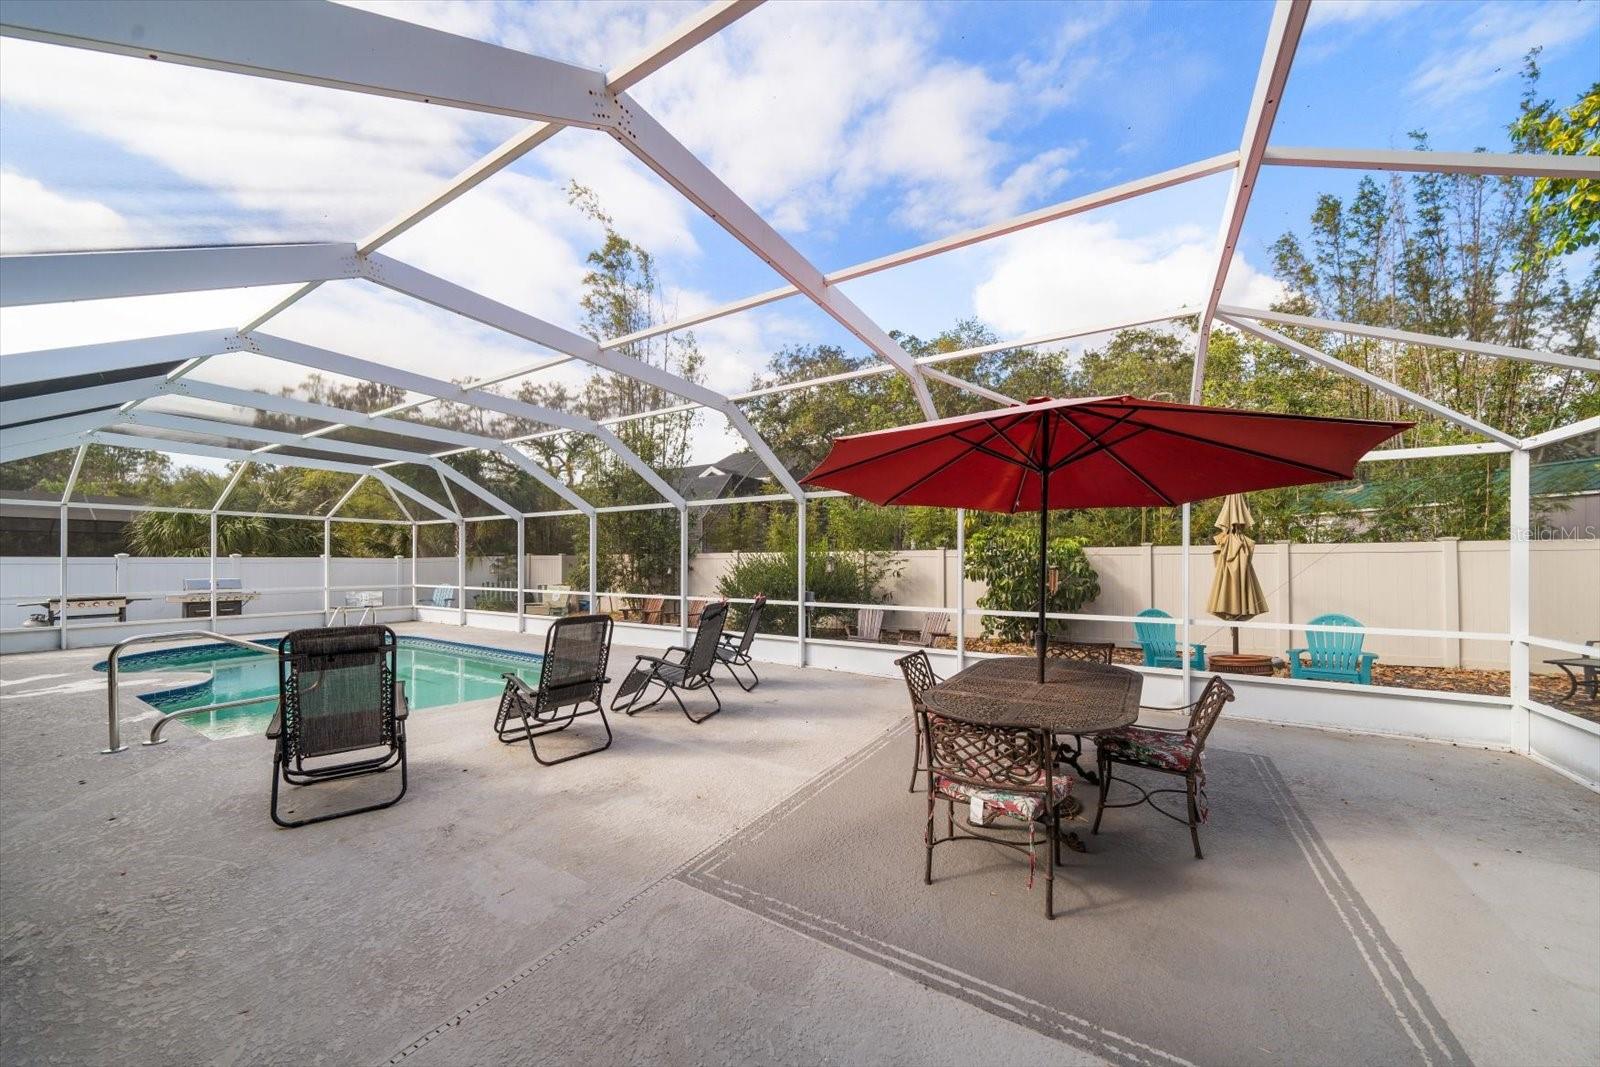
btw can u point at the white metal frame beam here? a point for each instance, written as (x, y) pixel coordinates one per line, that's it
(35, 409)
(1518, 164)
(706, 23)
(51, 363)
(238, 432)
(1283, 37)
(56, 277)
(1076, 206)
(1383, 333)
(351, 366)
(305, 409)
(637, 131)
(187, 448)
(53, 435)
(1563, 433)
(448, 296)
(1381, 384)
(322, 44)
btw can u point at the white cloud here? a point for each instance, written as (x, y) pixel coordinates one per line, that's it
(34, 218)
(1079, 272)
(291, 160)
(1356, 12)
(806, 109)
(1493, 43)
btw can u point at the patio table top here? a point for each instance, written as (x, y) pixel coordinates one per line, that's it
(1075, 698)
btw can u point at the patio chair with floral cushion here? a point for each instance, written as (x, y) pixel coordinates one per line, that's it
(1177, 752)
(999, 771)
(677, 669)
(571, 681)
(919, 676)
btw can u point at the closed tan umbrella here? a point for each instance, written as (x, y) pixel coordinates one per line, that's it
(1235, 591)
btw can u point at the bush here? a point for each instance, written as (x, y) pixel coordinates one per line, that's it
(1004, 554)
(836, 577)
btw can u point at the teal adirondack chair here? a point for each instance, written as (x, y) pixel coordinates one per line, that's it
(444, 596)
(1160, 642)
(1335, 657)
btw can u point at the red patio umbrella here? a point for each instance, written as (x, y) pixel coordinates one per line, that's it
(1095, 452)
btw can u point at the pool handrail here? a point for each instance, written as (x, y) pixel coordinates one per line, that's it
(113, 725)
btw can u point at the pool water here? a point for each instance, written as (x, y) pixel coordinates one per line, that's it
(435, 672)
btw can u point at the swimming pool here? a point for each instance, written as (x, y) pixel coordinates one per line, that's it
(435, 672)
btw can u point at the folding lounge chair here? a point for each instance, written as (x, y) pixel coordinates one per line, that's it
(735, 652)
(337, 694)
(676, 669)
(570, 686)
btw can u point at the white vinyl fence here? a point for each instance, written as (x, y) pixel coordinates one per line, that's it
(1447, 584)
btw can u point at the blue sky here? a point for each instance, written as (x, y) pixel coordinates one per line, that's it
(857, 129)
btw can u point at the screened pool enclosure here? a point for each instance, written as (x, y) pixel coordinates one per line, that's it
(190, 390)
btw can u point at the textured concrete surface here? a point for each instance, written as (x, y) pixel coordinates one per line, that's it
(505, 912)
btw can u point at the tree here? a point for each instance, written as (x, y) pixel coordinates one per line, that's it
(1570, 207)
(1003, 552)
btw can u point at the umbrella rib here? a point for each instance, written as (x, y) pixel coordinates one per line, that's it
(1143, 480)
(1092, 443)
(954, 431)
(1003, 436)
(1336, 475)
(972, 446)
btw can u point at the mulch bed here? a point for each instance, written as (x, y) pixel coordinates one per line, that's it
(1547, 689)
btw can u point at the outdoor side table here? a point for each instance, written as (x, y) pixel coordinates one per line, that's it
(1589, 665)
(1075, 698)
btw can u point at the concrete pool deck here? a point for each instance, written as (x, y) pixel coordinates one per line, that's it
(508, 913)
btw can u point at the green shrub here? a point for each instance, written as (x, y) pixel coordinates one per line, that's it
(832, 577)
(1004, 554)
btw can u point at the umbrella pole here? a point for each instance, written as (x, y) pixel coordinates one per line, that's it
(1041, 638)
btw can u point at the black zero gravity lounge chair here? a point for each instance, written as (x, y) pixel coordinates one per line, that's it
(337, 694)
(571, 681)
(734, 652)
(676, 669)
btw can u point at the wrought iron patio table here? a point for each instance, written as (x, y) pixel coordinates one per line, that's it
(1074, 698)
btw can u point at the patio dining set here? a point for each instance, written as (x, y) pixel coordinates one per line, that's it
(1004, 744)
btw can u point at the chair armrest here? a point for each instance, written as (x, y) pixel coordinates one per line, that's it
(1293, 653)
(275, 727)
(1369, 657)
(1171, 711)
(519, 685)
(402, 706)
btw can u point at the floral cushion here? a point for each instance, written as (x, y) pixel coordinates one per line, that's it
(1151, 748)
(1004, 801)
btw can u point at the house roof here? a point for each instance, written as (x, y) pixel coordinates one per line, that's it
(1567, 477)
(729, 476)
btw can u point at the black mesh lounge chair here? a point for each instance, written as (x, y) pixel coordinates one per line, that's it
(676, 669)
(571, 682)
(337, 694)
(734, 652)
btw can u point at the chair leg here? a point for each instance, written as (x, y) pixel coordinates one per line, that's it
(1105, 787)
(916, 758)
(709, 688)
(927, 841)
(1194, 816)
